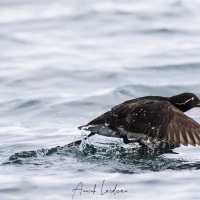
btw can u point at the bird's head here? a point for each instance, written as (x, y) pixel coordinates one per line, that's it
(185, 101)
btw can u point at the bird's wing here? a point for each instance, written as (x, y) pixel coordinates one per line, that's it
(157, 119)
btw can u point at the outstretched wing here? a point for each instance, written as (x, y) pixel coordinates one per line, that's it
(156, 119)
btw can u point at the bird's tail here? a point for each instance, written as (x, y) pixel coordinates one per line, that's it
(75, 143)
(78, 142)
(80, 127)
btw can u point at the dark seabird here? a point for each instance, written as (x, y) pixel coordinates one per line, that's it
(150, 117)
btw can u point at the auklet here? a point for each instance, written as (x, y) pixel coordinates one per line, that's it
(157, 117)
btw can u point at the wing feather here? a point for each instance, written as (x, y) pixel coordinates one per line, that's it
(156, 119)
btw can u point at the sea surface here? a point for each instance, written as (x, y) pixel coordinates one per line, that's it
(63, 63)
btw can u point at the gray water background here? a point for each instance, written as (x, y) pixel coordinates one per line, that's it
(62, 64)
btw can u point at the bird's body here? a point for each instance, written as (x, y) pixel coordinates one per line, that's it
(156, 117)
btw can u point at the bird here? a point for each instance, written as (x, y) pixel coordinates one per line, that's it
(150, 117)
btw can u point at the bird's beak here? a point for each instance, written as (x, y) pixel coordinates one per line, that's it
(198, 104)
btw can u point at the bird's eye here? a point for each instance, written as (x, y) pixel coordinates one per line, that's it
(192, 98)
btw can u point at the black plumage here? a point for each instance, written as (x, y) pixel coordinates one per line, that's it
(150, 117)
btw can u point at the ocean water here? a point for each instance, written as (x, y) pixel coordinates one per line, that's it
(62, 64)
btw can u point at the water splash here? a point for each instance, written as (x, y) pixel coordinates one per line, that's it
(107, 157)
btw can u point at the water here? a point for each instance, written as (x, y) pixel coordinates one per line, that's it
(62, 64)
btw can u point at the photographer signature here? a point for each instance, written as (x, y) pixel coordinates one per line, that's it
(102, 191)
